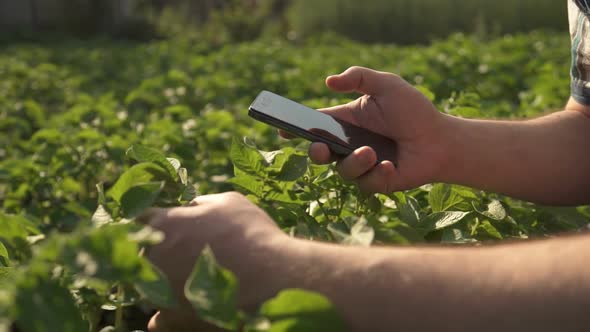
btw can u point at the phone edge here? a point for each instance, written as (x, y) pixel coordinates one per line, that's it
(343, 150)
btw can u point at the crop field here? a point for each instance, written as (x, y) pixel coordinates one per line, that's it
(93, 133)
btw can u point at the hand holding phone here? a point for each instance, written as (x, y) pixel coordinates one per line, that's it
(341, 137)
(401, 127)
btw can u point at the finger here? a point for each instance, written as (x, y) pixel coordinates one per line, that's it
(360, 79)
(286, 134)
(208, 199)
(343, 112)
(156, 324)
(379, 180)
(190, 212)
(149, 215)
(229, 197)
(357, 163)
(320, 154)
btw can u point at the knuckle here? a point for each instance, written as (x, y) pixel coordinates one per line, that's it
(393, 78)
(162, 223)
(233, 195)
(355, 68)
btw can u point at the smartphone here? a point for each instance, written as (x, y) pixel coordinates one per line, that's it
(340, 136)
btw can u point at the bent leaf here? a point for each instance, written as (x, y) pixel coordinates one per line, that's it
(213, 290)
(301, 310)
(440, 220)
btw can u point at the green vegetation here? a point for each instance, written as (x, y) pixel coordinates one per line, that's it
(223, 21)
(92, 133)
(411, 21)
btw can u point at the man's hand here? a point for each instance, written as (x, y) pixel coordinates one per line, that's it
(393, 108)
(243, 238)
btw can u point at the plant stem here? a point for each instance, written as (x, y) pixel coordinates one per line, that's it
(119, 312)
(317, 198)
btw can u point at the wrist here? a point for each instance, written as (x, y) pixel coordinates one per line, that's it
(449, 148)
(265, 269)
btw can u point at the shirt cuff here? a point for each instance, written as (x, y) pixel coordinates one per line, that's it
(581, 92)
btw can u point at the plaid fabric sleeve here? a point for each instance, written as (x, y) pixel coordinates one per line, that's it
(579, 11)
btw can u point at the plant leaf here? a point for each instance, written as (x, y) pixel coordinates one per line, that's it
(212, 290)
(456, 235)
(495, 210)
(101, 216)
(137, 174)
(4, 257)
(409, 208)
(144, 154)
(248, 183)
(442, 197)
(294, 168)
(139, 197)
(301, 310)
(157, 291)
(487, 226)
(361, 234)
(247, 159)
(45, 306)
(440, 220)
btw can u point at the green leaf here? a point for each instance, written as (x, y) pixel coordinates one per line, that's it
(487, 226)
(139, 197)
(189, 193)
(270, 156)
(397, 232)
(101, 196)
(409, 208)
(361, 234)
(108, 253)
(45, 306)
(465, 192)
(248, 183)
(247, 159)
(495, 210)
(101, 216)
(442, 197)
(426, 92)
(137, 174)
(374, 204)
(456, 235)
(16, 228)
(144, 154)
(281, 192)
(440, 220)
(7, 275)
(157, 291)
(300, 310)
(294, 168)
(212, 290)
(325, 175)
(4, 257)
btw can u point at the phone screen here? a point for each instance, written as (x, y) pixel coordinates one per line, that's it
(296, 118)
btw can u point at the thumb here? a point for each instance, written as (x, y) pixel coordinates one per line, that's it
(156, 324)
(362, 80)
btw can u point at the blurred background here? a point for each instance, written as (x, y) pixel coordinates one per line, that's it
(399, 21)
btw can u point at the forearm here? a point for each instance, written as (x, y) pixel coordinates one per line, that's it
(545, 160)
(538, 286)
